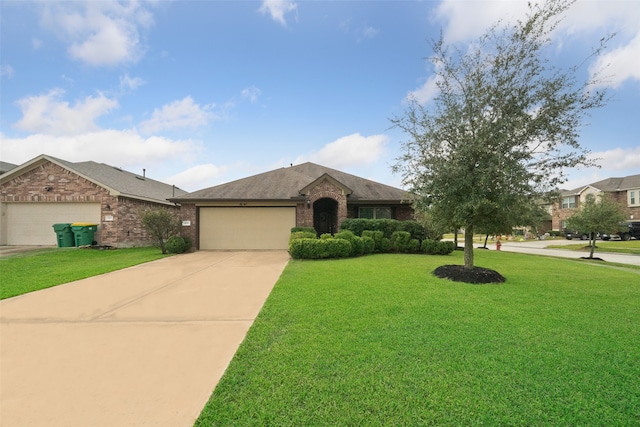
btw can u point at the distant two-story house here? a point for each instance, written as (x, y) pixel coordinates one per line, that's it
(626, 191)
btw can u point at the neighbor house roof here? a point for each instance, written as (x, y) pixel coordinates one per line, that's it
(118, 182)
(607, 185)
(291, 183)
(6, 167)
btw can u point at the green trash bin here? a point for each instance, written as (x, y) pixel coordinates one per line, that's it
(83, 232)
(65, 235)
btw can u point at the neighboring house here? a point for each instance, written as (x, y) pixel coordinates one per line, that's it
(626, 191)
(258, 212)
(46, 190)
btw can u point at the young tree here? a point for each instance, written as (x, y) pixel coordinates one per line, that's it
(160, 224)
(502, 128)
(597, 215)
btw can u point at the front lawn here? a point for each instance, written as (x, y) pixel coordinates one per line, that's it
(32, 271)
(618, 246)
(379, 341)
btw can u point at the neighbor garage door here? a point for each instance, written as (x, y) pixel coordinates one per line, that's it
(246, 228)
(32, 223)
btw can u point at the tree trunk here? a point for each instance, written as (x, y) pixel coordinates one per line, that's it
(455, 238)
(468, 246)
(485, 240)
(592, 241)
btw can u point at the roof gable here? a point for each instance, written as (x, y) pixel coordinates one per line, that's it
(326, 177)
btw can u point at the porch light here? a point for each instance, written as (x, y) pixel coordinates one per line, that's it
(308, 203)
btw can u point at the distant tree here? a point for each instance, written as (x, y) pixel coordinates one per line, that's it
(161, 224)
(502, 128)
(598, 214)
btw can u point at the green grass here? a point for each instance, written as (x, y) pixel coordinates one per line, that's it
(379, 341)
(618, 246)
(32, 271)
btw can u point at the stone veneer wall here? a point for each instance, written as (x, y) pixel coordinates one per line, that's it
(326, 189)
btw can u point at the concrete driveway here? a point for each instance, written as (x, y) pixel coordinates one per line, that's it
(143, 346)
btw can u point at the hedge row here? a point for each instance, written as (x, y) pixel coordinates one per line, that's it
(387, 226)
(302, 245)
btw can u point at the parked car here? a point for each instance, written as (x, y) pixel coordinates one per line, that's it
(570, 235)
(629, 230)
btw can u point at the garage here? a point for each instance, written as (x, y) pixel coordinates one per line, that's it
(246, 227)
(31, 223)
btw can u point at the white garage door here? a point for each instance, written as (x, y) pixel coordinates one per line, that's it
(32, 223)
(246, 228)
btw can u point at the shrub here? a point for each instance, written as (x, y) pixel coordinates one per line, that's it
(432, 247)
(160, 224)
(355, 225)
(319, 248)
(400, 241)
(414, 228)
(304, 229)
(326, 236)
(357, 247)
(302, 235)
(338, 248)
(178, 244)
(368, 245)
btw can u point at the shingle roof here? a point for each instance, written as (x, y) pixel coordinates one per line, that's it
(6, 167)
(287, 183)
(618, 184)
(608, 185)
(118, 181)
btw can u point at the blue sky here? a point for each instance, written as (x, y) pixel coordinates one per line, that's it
(200, 93)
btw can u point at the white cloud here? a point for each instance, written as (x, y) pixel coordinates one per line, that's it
(467, 20)
(197, 177)
(426, 92)
(585, 20)
(348, 151)
(117, 148)
(251, 93)
(178, 114)
(619, 64)
(130, 83)
(278, 9)
(99, 33)
(6, 71)
(47, 114)
(617, 162)
(619, 159)
(369, 33)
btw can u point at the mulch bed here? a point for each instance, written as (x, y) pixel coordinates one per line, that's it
(475, 275)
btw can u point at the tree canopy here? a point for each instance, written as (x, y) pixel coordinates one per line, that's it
(598, 214)
(502, 128)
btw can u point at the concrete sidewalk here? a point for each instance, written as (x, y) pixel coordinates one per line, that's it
(143, 346)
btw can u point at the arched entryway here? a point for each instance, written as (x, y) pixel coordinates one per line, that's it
(325, 216)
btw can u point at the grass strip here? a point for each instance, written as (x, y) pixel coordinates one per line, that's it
(378, 340)
(32, 271)
(629, 247)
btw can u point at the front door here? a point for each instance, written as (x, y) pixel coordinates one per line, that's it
(325, 216)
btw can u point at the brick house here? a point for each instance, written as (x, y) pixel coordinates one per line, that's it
(47, 190)
(626, 191)
(259, 211)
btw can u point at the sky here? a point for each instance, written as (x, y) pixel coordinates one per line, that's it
(199, 93)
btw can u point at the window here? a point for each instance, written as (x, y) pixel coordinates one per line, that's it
(563, 224)
(375, 213)
(634, 197)
(568, 202)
